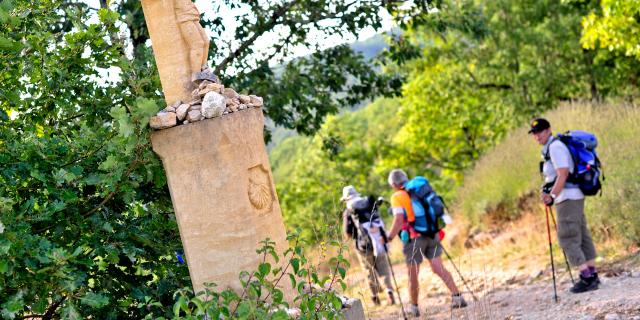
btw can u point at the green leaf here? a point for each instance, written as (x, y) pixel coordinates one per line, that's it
(295, 263)
(4, 266)
(244, 309)
(342, 272)
(94, 300)
(278, 296)
(70, 312)
(280, 315)
(264, 268)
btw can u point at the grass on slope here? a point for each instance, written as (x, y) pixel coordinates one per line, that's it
(510, 171)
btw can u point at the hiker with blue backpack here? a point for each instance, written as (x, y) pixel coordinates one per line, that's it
(571, 170)
(418, 220)
(362, 223)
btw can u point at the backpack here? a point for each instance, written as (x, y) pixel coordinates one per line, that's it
(428, 207)
(360, 215)
(587, 168)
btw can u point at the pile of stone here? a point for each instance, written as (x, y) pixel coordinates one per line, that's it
(210, 100)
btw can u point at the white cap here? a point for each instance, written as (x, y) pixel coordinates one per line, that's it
(348, 192)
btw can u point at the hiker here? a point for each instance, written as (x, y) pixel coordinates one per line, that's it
(362, 223)
(417, 246)
(573, 234)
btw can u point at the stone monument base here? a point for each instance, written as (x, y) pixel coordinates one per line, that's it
(223, 195)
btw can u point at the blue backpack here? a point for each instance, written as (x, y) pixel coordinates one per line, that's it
(428, 207)
(587, 167)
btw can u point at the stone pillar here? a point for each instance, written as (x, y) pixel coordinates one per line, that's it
(223, 194)
(169, 49)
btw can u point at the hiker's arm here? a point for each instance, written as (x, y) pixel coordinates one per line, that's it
(398, 219)
(563, 174)
(561, 179)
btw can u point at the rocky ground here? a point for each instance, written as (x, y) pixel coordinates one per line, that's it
(512, 283)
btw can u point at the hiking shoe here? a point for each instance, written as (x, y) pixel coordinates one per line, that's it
(585, 284)
(392, 300)
(457, 301)
(595, 274)
(376, 300)
(413, 311)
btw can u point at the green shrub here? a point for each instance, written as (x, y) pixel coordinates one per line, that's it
(510, 170)
(262, 296)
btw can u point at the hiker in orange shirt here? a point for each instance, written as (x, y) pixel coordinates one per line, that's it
(416, 246)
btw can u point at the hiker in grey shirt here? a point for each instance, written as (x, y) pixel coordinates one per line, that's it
(573, 234)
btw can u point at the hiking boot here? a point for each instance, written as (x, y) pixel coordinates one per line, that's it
(413, 311)
(392, 300)
(595, 274)
(376, 300)
(457, 301)
(585, 284)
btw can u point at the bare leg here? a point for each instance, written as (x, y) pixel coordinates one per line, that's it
(439, 269)
(414, 288)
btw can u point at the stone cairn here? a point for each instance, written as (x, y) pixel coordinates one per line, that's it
(211, 99)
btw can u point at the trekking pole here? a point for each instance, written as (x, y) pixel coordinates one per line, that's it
(553, 218)
(393, 275)
(553, 268)
(459, 273)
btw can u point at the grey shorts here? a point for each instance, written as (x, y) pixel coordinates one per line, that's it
(416, 250)
(573, 234)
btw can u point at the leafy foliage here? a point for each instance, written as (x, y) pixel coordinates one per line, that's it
(615, 27)
(262, 296)
(87, 223)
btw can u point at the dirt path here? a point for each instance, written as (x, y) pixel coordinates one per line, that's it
(511, 284)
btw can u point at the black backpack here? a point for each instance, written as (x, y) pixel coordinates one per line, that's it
(368, 213)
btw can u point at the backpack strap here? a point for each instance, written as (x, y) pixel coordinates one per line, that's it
(571, 178)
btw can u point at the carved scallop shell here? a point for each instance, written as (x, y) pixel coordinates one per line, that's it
(259, 196)
(260, 191)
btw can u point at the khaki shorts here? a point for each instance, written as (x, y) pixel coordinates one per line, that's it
(573, 234)
(416, 250)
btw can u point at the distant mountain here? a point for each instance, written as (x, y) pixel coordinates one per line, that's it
(370, 47)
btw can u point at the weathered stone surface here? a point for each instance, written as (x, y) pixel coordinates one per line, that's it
(194, 115)
(215, 87)
(230, 93)
(163, 120)
(175, 104)
(211, 179)
(203, 84)
(353, 310)
(232, 107)
(213, 105)
(256, 101)
(182, 110)
(244, 99)
(170, 50)
(195, 101)
(242, 107)
(169, 109)
(612, 316)
(195, 107)
(195, 94)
